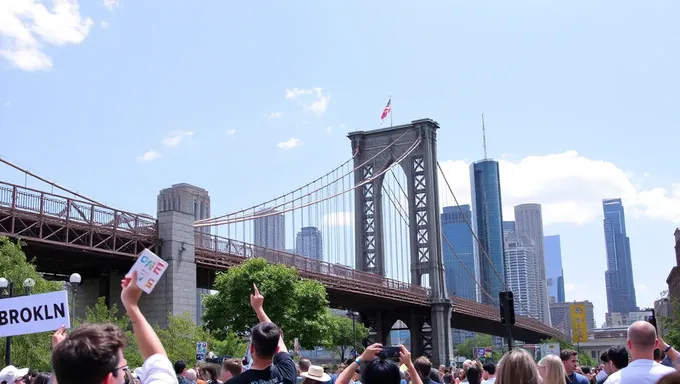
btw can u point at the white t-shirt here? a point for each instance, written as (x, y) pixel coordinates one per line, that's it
(490, 381)
(640, 371)
(157, 369)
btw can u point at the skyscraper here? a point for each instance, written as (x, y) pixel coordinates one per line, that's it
(270, 231)
(487, 217)
(458, 233)
(521, 273)
(529, 222)
(309, 243)
(508, 226)
(619, 274)
(553, 268)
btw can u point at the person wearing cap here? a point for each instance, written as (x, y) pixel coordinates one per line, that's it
(314, 374)
(13, 375)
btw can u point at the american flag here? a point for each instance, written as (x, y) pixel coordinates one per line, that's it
(387, 110)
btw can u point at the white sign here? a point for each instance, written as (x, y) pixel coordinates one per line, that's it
(34, 313)
(150, 269)
(201, 350)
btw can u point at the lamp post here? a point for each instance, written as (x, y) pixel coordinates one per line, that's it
(74, 279)
(353, 315)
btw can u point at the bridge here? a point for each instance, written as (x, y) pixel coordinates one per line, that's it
(77, 234)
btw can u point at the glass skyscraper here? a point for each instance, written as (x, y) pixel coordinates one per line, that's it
(458, 233)
(619, 273)
(553, 268)
(309, 243)
(487, 217)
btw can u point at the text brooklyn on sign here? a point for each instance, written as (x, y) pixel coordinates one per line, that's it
(34, 313)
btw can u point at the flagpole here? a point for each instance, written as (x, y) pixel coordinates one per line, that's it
(390, 111)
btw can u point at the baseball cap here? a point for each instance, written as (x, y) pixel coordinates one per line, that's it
(10, 374)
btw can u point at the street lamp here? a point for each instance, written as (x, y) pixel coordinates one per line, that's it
(8, 287)
(75, 279)
(353, 315)
(28, 285)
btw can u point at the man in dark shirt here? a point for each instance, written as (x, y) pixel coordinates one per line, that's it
(570, 363)
(271, 362)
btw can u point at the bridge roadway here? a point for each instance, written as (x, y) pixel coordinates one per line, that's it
(64, 233)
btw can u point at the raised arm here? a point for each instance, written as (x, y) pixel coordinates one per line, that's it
(257, 302)
(147, 340)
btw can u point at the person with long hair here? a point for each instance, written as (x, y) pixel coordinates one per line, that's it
(552, 370)
(473, 375)
(517, 366)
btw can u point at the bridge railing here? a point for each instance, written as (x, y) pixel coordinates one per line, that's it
(238, 248)
(48, 205)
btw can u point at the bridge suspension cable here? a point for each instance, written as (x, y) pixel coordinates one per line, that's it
(301, 197)
(271, 211)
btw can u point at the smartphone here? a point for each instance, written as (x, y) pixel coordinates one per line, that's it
(390, 353)
(652, 319)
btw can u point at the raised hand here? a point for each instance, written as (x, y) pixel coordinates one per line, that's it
(130, 292)
(256, 299)
(58, 336)
(404, 355)
(371, 351)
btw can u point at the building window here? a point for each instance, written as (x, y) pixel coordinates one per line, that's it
(195, 210)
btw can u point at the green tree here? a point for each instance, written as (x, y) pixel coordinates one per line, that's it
(297, 305)
(342, 334)
(229, 345)
(466, 348)
(27, 350)
(181, 336)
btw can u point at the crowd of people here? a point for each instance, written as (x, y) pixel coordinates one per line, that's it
(93, 354)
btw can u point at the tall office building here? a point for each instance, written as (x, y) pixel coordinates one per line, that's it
(458, 269)
(508, 226)
(521, 273)
(270, 231)
(487, 217)
(553, 268)
(561, 316)
(309, 243)
(619, 273)
(186, 198)
(529, 222)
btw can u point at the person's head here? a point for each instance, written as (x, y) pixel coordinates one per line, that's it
(264, 340)
(473, 375)
(304, 365)
(230, 368)
(442, 368)
(381, 372)
(658, 355)
(466, 365)
(191, 374)
(208, 372)
(423, 366)
(617, 358)
(92, 354)
(517, 366)
(569, 360)
(489, 371)
(180, 367)
(11, 375)
(642, 340)
(671, 378)
(41, 378)
(315, 374)
(603, 358)
(551, 369)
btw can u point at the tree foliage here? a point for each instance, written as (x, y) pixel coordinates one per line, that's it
(342, 334)
(27, 350)
(466, 348)
(297, 305)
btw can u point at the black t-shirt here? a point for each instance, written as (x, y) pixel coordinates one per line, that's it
(282, 371)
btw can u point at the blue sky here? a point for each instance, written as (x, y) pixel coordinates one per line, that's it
(119, 99)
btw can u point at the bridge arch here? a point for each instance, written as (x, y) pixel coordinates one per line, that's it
(394, 210)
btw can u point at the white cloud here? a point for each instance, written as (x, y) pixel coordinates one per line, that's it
(569, 186)
(329, 130)
(290, 143)
(110, 5)
(312, 100)
(294, 93)
(104, 24)
(7, 104)
(176, 139)
(274, 115)
(231, 132)
(148, 156)
(26, 26)
(338, 219)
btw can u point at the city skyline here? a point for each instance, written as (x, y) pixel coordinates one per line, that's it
(455, 227)
(553, 268)
(619, 280)
(309, 243)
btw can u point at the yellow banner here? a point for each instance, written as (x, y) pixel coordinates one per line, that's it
(579, 323)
